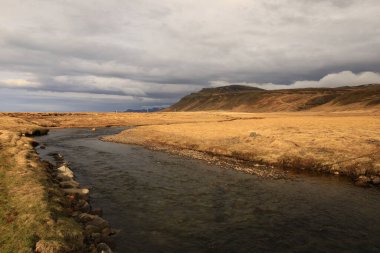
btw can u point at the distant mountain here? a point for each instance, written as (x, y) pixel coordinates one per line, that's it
(249, 99)
(150, 109)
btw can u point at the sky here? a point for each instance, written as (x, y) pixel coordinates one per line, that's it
(69, 55)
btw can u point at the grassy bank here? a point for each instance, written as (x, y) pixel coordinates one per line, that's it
(32, 208)
(347, 144)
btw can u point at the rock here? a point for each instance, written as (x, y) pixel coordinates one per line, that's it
(109, 231)
(69, 184)
(81, 192)
(63, 178)
(336, 172)
(96, 237)
(91, 229)
(103, 248)
(75, 214)
(85, 217)
(83, 206)
(99, 222)
(65, 171)
(376, 180)
(92, 249)
(108, 240)
(94, 129)
(42, 147)
(362, 181)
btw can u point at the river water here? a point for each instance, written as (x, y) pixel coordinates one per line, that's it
(166, 203)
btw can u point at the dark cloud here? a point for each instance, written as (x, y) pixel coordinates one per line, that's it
(158, 51)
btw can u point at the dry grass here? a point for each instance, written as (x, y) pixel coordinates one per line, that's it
(29, 120)
(347, 143)
(31, 208)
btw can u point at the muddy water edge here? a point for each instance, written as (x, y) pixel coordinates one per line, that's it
(167, 203)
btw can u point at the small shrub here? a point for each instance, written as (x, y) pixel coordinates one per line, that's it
(253, 134)
(37, 132)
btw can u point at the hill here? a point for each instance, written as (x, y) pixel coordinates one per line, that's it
(250, 99)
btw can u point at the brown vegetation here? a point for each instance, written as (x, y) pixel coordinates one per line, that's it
(248, 99)
(31, 207)
(336, 143)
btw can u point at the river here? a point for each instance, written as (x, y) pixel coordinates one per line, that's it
(167, 203)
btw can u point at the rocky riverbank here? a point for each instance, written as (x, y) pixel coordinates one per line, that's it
(97, 233)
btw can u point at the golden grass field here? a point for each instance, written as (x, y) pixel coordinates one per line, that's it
(340, 143)
(345, 143)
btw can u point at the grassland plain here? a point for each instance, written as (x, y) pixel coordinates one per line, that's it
(346, 143)
(339, 143)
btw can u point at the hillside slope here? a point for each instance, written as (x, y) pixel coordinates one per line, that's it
(249, 99)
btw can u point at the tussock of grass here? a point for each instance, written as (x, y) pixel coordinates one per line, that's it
(36, 132)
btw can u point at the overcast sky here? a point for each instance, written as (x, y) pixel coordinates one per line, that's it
(113, 55)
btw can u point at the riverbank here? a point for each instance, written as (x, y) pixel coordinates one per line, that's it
(339, 144)
(42, 207)
(32, 209)
(96, 231)
(342, 143)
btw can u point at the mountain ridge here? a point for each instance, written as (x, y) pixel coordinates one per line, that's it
(242, 98)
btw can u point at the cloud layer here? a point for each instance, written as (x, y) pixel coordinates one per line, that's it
(153, 52)
(344, 78)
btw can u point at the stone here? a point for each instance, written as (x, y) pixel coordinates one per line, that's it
(99, 222)
(75, 214)
(81, 192)
(362, 181)
(110, 231)
(85, 217)
(91, 229)
(103, 248)
(69, 184)
(65, 171)
(63, 178)
(83, 206)
(96, 237)
(376, 180)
